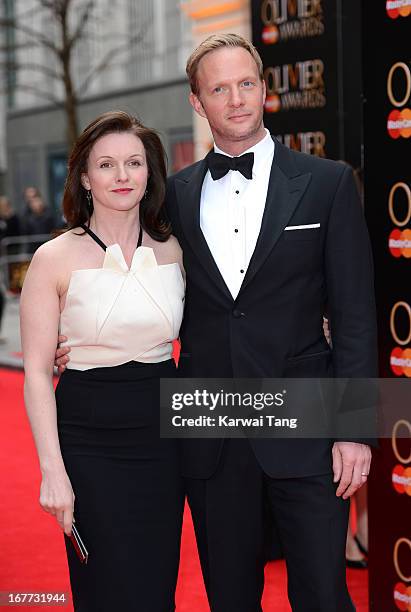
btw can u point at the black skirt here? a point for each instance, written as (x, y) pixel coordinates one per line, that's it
(127, 485)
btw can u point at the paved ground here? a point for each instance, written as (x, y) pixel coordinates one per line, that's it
(10, 344)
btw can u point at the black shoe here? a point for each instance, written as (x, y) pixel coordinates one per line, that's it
(356, 563)
(361, 546)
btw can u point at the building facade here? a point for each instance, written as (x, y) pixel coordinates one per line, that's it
(131, 56)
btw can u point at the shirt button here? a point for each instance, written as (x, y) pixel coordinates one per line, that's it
(236, 230)
(237, 192)
(242, 271)
(237, 314)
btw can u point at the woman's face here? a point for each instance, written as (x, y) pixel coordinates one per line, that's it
(117, 171)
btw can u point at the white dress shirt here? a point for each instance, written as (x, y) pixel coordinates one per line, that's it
(231, 211)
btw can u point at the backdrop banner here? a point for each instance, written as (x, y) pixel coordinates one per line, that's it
(313, 95)
(387, 149)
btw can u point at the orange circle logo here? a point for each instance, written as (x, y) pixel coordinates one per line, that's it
(272, 104)
(270, 35)
(396, 8)
(392, 198)
(402, 69)
(401, 479)
(399, 243)
(399, 425)
(400, 362)
(399, 123)
(406, 307)
(396, 561)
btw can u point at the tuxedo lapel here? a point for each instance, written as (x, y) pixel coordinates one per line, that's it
(285, 189)
(188, 192)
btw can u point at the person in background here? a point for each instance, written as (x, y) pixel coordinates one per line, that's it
(9, 220)
(29, 192)
(38, 220)
(9, 227)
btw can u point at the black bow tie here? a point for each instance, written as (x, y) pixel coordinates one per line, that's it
(219, 164)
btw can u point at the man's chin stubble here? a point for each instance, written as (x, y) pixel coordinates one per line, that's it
(237, 136)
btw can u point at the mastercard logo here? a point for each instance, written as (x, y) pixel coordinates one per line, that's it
(401, 479)
(399, 123)
(272, 104)
(396, 8)
(402, 596)
(399, 243)
(400, 362)
(270, 34)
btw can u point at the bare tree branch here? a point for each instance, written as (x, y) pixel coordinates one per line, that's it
(83, 20)
(46, 95)
(107, 59)
(35, 34)
(60, 39)
(57, 7)
(16, 66)
(26, 14)
(51, 6)
(12, 48)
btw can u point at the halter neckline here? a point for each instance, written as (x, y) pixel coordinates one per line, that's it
(101, 243)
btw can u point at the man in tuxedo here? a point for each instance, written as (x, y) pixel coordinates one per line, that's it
(271, 238)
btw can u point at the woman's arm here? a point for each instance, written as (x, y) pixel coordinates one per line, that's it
(39, 315)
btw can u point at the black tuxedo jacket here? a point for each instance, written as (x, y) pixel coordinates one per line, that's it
(274, 328)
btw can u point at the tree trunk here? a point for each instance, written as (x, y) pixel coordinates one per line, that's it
(70, 105)
(70, 100)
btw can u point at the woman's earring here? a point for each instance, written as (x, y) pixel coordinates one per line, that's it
(89, 201)
(145, 194)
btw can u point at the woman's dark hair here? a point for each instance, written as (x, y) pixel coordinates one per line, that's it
(76, 208)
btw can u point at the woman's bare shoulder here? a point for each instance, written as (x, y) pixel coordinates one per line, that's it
(58, 252)
(168, 251)
(173, 247)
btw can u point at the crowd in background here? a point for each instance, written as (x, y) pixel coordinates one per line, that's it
(36, 219)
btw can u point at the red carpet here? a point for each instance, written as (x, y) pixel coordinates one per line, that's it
(32, 556)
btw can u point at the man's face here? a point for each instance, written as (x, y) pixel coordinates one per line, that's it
(230, 95)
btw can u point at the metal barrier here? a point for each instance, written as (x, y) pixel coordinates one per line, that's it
(15, 256)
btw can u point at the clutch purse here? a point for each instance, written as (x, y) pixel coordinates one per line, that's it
(78, 544)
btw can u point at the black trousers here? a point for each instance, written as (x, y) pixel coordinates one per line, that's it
(228, 513)
(127, 485)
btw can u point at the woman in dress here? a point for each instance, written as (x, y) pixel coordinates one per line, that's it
(113, 283)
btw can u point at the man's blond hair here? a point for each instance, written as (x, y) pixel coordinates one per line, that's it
(219, 41)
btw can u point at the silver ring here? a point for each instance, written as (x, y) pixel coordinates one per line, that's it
(364, 474)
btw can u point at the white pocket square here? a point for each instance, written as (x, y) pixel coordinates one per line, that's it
(301, 227)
